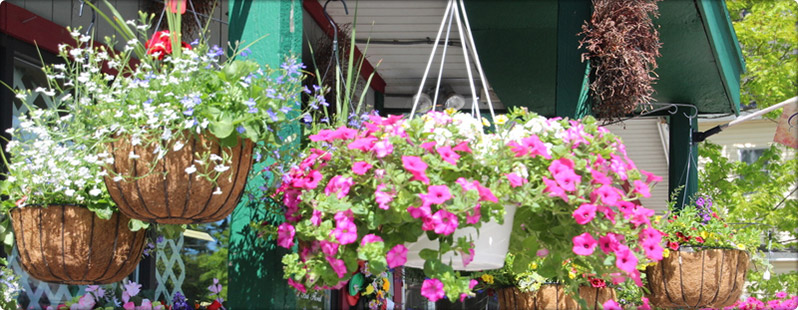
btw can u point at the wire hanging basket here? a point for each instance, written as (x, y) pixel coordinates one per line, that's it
(554, 297)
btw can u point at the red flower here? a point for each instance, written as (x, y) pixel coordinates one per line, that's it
(595, 282)
(682, 236)
(699, 239)
(673, 245)
(215, 305)
(160, 45)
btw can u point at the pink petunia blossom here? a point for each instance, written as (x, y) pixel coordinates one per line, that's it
(516, 180)
(641, 215)
(554, 190)
(298, 286)
(345, 232)
(462, 147)
(340, 185)
(650, 177)
(422, 211)
(542, 252)
(86, 302)
(397, 256)
(429, 146)
(467, 258)
(609, 243)
(383, 198)
(625, 259)
(448, 155)
(346, 215)
(561, 165)
(645, 305)
(338, 266)
(471, 284)
(650, 233)
(519, 149)
(436, 194)
(127, 306)
(445, 222)
(585, 213)
(536, 147)
(432, 289)
(363, 144)
(285, 235)
(328, 247)
(653, 249)
(361, 167)
(618, 166)
(584, 244)
(312, 179)
(611, 305)
(465, 184)
(473, 216)
(598, 177)
(642, 188)
(382, 148)
(370, 238)
(343, 133)
(607, 194)
(420, 176)
(617, 278)
(315, 219)
(635, 276)
(485, 194)
(322, 135)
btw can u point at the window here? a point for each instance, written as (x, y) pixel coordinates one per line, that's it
(750, 156)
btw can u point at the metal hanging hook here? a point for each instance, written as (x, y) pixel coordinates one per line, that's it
(93, 16)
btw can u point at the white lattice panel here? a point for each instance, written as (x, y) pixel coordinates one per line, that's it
(169, 282)
(38, 292)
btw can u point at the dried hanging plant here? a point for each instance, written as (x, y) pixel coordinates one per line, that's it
(622, 45)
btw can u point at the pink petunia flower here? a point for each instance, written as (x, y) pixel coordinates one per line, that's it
(611, 305)
(467, 258)
(361, 167)
(328, 247)
(345, 232)
(625, 259)
(432, 289)
(536, 147)
(420, 176)
(516, 180)
(422, 211)
(429, 146)
(343, 133)
(285, 235)
(485, 194)
(598, 177)
(397, 256)
(635, 276)
(346, 215)
(519, 149)
(585, 213)
(436, 194)
(650, 177)
(645, 305)
(383, 148)
(322, 135)
(561, 165)
(370, 238)
(609, 243)
(445, 222)
(650, 233)
(642, 188)
(641, 215)
(607, 194)
(448, 155)
(554, 190)
(340, 185)
(471, 284)
(584, 244)
(338, 266)
(363, 144)
(653, 249)
(473, 216)
(542, 252)
(465, 184)
(462, 147)
(383, 198)
(312, 179)
(298, 286)
(315, 219)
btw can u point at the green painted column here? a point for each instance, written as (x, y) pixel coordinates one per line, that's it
(255, 268)
(683, 169)
(573, 78)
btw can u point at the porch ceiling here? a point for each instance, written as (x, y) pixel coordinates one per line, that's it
(529, 50)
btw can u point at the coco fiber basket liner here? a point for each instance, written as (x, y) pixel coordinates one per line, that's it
(552, 297)
(711, 278)
(169, 195)
(70, 245)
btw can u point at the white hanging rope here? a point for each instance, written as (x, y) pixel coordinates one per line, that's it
(478, 63)
(465, 45)
(431, 55)
(443, 60)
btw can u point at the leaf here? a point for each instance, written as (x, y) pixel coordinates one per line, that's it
(428, 254)
(222, 127)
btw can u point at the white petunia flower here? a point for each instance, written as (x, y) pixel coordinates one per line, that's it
(95, 191)
(69, 192)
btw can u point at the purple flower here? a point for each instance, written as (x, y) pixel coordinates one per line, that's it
(307, 118)
(240, 129)
(179, 302)
(246, 52)
(189, 112)
(272, 115)
(285, 109)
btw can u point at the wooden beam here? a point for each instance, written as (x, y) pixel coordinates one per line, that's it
(316, 11)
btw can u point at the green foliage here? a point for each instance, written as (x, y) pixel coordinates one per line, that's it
(9, 287)
(768, 34)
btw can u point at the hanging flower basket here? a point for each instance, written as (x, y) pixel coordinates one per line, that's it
(171, 190)
(490, 246)
(70, 245)
(711, 278)
(553, 297)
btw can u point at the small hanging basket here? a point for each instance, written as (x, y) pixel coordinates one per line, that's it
(553, 297)
(70, 245)
(490, 245)
(712, 278)
(170, 195)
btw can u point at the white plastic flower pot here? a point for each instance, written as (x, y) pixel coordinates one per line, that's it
(490, 246)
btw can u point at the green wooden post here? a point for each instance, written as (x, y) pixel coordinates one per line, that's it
(255, 269)
(572, 98)
(683, 169)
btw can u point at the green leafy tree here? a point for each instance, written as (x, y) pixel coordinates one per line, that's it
(768, 34)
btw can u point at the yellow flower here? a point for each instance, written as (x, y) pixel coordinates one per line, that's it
(572, 275)
(704, 235)
(533, 265)
(665, 253)
(369, 290)
(379, 294)
(385, 284)
(485, 122)
(450, 111)
(741, 246)
(501, 119)
(657, 218)
(487, 278)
